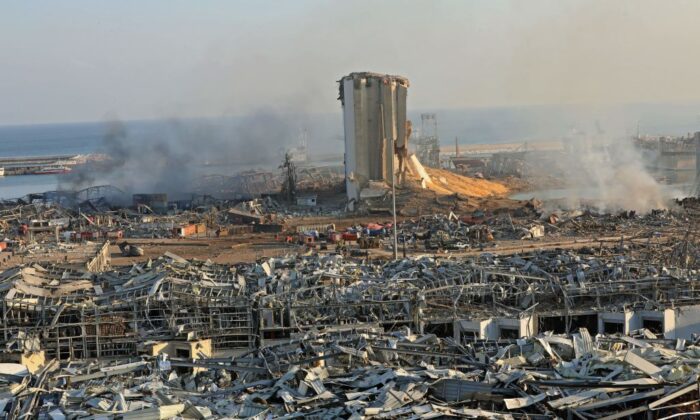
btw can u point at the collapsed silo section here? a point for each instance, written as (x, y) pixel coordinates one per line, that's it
(374, 117)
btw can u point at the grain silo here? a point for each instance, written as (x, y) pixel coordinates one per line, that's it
(374, 116)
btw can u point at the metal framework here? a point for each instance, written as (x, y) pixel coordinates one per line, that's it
(428, 143)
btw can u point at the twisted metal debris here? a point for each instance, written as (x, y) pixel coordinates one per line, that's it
(528, 335)
(363, 372)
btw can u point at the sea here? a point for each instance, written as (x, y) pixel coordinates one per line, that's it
(44, 140)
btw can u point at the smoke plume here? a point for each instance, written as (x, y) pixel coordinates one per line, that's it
(169, 156)
(606, 173)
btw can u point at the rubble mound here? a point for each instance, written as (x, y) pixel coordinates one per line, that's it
(445, 182)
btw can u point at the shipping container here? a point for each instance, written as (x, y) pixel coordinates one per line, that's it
(115, 234)
(240, 229)
(84, 236)
(350, 236)
(267, 228)
(183, 231)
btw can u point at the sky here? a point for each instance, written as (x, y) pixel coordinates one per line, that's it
(80, 60)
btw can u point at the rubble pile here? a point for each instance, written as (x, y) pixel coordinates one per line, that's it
(24, 226)
(579, 222)
(364, 373)
(450, 232)
(66, 309)
(446, 182)
(595, 332)
(460, 232)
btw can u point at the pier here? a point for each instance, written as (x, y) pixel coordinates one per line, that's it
(25, 165)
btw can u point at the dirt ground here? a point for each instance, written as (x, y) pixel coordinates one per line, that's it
(230, 249)
(249, 248)
(453, 192)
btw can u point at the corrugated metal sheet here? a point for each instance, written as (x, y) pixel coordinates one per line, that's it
(451, 390)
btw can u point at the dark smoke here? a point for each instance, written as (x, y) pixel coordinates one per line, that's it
(170, 156)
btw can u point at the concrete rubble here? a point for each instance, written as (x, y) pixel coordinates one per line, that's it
(479, 230)
(546, 334)
(359, 372)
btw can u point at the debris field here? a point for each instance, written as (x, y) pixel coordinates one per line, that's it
(545, 334)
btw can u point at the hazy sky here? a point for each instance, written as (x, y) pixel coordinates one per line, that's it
(83, 60)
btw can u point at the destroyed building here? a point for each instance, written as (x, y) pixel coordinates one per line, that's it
(541, 335)
(485, 297)
(151, 203)
(374, 116)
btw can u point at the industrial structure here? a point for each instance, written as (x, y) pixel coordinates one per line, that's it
(428, 143)
(696, 189)
(374, 116)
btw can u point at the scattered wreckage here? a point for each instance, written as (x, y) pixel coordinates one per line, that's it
(603, 331)
(551, 334)
(362, 372)
(130, 250)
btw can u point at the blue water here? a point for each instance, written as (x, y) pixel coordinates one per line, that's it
(42, 140)
(19, 186)
(217, 141)
(50, 139)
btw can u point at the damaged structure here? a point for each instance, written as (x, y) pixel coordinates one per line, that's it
(376, 129)
(428, 143)
(364, 373)
(540, 335)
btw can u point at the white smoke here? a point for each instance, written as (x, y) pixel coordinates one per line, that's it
(608, 174)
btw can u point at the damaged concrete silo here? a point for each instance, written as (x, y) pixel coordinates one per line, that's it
(697, 163)
(374, 116)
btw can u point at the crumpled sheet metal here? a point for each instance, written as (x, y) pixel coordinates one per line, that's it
(173, 298)
(399, 375)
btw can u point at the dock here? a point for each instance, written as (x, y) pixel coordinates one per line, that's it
(25, 165)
